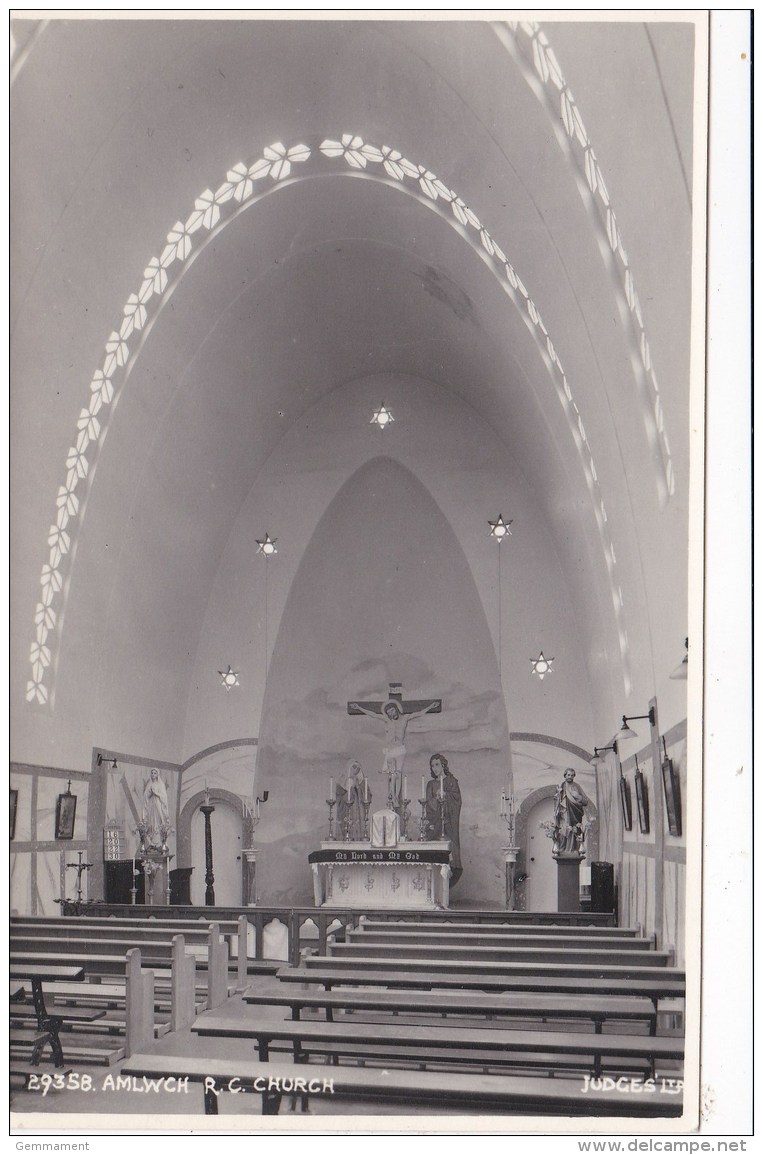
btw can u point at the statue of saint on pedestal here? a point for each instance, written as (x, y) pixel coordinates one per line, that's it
(570, 803)
(156, 814)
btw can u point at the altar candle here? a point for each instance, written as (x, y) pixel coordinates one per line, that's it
(442, 785)
(365, 790)
(257, 808)
(133, 868)
(331, 788)
(503, 805)
(405, 786)
(423, 787)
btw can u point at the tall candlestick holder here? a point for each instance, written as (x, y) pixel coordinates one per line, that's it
(134, 887)
(347, 826)
(423, 820)
(390, 792)
(366, 828)
(331, 803)
(404, 816)
(510, 852)
(508, 814)
(441, 800)
(81, 867)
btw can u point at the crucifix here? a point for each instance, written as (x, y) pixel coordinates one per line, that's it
(395, 714)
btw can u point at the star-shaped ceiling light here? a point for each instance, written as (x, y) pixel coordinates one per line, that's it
(499, 529)
(267, 545)
(542, 666)
(382, 417)
(229, 677)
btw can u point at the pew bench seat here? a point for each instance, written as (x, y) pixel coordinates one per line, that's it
(511, 928)
(24, 1042)
(597, 1010)
(435, 1041)
(669, 985)
(515, 1095)
(21, 1012)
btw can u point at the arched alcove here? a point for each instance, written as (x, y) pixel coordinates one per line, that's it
(384, 593)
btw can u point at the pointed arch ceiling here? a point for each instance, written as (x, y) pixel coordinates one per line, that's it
(563, 363)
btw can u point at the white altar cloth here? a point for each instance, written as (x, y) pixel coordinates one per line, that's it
(411, 875)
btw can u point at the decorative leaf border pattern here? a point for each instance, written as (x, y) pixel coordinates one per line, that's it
(211, 212)
(537, 60)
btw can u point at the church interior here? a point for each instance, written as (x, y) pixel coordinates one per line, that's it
(351, 376)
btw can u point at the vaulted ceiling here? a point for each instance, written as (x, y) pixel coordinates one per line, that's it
(218, 225)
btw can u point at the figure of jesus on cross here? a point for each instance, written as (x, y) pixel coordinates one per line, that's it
(395, 714)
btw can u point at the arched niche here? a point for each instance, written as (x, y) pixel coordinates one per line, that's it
(384, 594)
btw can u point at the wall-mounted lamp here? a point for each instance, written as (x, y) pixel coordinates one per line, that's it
(102, 758)
(625, 731)
(682, 669)
(597, 759)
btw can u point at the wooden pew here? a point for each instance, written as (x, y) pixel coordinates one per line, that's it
(499, 917)
(515, 1095)
(510, 927)
(596, 1009)
(477, 1046)
(134, 931)
(106, 956)
(416, 963)
(35, 972)
(668, 985)
(505, 939)
(401, 952)
(139, 1026)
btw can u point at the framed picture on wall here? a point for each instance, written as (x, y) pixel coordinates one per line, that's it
(625, 803)
(66, 808)
(672, 788)
(642, 802)
(14, 808)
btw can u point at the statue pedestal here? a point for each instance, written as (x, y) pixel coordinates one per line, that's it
(156, 865)
(510, 865)
(568, 882)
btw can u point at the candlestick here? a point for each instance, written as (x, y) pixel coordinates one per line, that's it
(331, 803)
(442, 786)
(331, 788)
(405, 786)
(365, 790)
(423, 787)
(423, 820)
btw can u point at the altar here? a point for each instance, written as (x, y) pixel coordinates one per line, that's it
(410, 875)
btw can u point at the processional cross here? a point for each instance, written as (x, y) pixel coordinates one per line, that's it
(395, 714)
